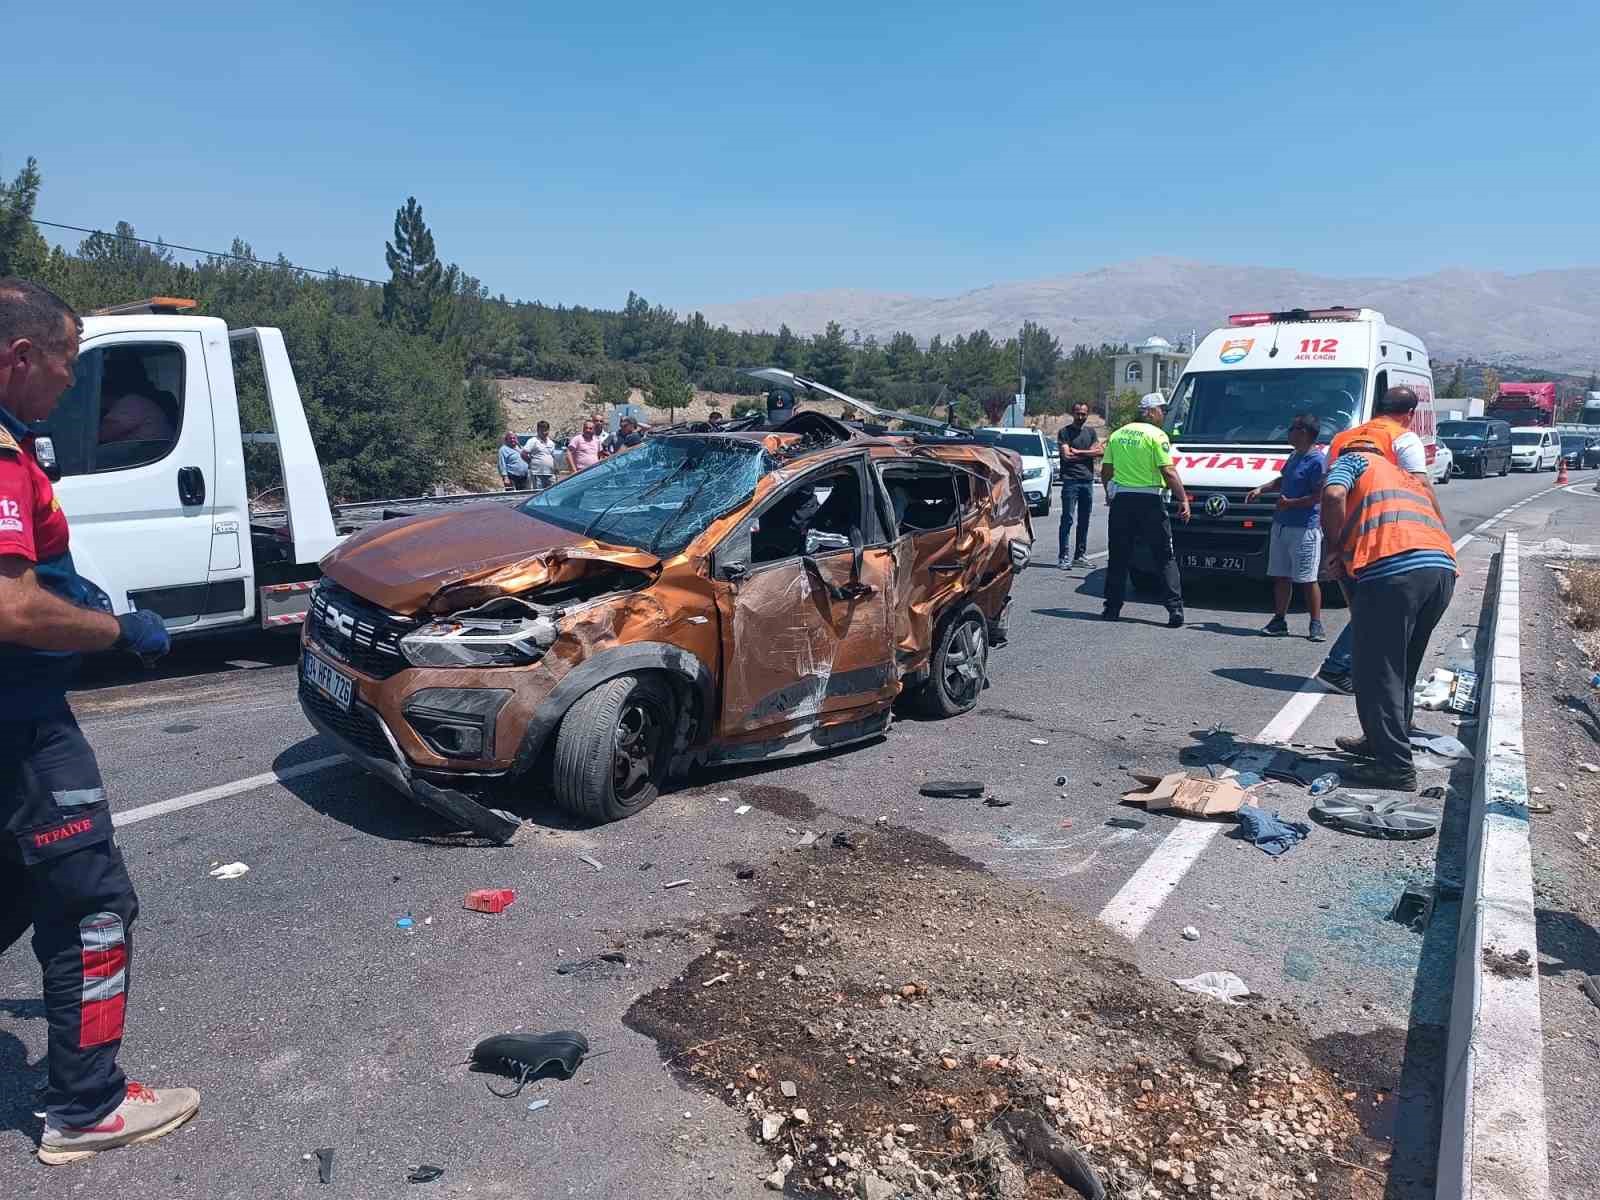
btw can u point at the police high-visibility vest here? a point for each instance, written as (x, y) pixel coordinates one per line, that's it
(1389, 512)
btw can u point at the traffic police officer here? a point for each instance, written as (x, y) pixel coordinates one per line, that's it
(60, 869)
(1138, 469)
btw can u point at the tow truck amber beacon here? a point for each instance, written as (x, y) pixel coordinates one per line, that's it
(761, 590)
(1229, 416)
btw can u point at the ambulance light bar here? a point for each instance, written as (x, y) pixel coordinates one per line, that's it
(1337, 313)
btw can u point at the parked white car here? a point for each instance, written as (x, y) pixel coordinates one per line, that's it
(1037, 455)
(1443, 463)
(1535, 448)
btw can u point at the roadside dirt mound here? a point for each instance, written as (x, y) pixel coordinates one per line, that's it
(892, 1020)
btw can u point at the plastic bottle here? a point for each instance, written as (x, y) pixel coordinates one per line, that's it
(1323, 784)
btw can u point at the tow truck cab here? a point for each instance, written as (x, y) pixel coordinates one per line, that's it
(1229, 416)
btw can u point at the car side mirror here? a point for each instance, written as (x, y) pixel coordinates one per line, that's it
(44, 451)
(817, 541)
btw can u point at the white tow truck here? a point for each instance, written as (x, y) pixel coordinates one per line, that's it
(148, 454)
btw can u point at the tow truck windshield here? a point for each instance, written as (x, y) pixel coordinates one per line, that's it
(658, 497)
(1255, 407)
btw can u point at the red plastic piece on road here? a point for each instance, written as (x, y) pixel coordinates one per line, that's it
(490, 900)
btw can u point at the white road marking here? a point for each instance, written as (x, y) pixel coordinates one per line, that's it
(223, 790)
(1147, 889)
(1141, 897)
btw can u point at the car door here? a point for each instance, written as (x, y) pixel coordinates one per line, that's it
(806, 637)
(932, 546)
(134, 442)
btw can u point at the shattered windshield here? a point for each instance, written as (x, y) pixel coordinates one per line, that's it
(1257, 406)
(657, 497)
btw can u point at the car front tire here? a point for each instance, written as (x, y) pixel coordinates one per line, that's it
(613, 746)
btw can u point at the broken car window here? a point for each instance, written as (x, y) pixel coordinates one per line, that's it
(922, 500)
(657, 497)
(825, 503)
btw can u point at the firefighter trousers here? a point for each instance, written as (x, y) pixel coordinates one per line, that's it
(61, 873)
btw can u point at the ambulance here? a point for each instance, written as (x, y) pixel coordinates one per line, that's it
(1229, 416)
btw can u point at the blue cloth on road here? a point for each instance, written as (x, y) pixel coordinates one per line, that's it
(1268, 831)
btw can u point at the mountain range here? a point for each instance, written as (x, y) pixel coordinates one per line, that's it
(1544, 319)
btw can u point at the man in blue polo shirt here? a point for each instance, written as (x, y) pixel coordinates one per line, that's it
(1294, 552)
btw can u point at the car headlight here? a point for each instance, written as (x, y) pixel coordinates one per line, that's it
(479, 642)
(1032, 472)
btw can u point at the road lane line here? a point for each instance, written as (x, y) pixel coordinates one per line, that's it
(223, 790)
(1147, 889)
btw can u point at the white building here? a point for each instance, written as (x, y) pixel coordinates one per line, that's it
(1154, 365)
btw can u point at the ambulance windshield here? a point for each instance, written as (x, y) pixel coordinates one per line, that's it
(1255, 407)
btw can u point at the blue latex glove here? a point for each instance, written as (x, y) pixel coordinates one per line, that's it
(143, 634)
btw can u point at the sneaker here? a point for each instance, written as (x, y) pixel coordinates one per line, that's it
(1339, 681)
(1175, 620)
(1082, 561)
(1353, 745)
(1110, 614)
(1063, 563)
(1277, 627)
(1388, 779)
(144, 1115)
(1317, 633)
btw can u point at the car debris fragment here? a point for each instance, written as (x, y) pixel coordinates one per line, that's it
(953, 789)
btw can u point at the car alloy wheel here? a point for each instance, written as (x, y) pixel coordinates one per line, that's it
(965, 658)
(640, 727)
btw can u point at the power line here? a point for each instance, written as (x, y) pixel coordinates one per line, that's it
(128, 237)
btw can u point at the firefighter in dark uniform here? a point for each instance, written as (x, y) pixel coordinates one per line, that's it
(60, 869)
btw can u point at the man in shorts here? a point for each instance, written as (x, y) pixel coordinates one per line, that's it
(1295, 551)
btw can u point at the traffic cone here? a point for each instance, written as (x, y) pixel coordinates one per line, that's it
(1561, 474)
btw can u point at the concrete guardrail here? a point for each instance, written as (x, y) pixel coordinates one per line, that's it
(1493, 1140)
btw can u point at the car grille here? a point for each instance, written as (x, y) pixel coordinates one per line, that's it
(1235, 514)
(359, 726)
(355, 632)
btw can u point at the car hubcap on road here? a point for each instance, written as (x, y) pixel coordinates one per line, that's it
(964, 661)
(638, 739)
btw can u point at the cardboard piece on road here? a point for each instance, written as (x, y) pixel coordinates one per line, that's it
(1195, 796)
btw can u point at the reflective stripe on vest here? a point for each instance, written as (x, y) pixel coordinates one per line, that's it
(1387, 513)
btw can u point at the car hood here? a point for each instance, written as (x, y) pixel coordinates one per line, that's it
(458, 559)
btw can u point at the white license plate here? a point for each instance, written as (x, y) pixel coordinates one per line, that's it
(333, 684)
(1212, 562)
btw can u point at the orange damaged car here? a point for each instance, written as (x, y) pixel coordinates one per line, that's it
(721, 596)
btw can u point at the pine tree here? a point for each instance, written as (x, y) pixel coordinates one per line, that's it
(610, 386)
(669, 387)
(1457, 388)
(23, 251)
(786, 351)
(416, 276)
(830, 356)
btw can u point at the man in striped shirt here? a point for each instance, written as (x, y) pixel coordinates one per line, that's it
(1383, 534)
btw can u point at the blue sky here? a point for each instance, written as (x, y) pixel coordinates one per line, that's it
(700, 153)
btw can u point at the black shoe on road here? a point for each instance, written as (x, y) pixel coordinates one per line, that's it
(1110, 614)
(1339, 681)
(1175, 620)
(1353, 745)
(1388, 779)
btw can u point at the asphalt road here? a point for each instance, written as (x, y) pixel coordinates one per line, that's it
(308, 1019)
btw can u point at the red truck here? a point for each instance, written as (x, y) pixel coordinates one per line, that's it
(1524, 404)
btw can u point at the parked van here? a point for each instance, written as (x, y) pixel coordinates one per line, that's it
(1037, 455)
(1535, 448)
(1229, 416)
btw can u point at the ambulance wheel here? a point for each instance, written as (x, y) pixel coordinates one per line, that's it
(959, 667)
(611, 750)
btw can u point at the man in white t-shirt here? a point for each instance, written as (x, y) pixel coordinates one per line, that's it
(540, 452)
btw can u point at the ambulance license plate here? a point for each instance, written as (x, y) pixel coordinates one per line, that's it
(1212, 562)
(333, 684)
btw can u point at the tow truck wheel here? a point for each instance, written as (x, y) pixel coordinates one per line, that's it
(959, 667)
(611, 749)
